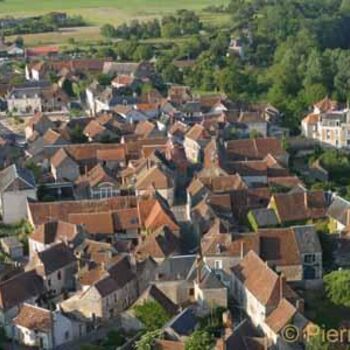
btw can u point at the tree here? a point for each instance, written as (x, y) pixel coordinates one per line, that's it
(200, 340)
(108, 31)
(171, 74)
(337, 287)
(152, 315)
(143, 52)
(147, 340)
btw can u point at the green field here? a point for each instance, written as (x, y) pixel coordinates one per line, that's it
(103, 11)
(98, 12)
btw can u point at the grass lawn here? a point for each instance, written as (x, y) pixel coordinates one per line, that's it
(103, 11)
(319, 309)
(98, 12)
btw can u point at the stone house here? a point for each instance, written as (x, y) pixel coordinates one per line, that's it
(26, 287)
(106, 291)
(97, 183)
(339, 214)
(256, 149)
(48, 234)
(16, 186)
(267, 299)
(27, 100)
(295, 252)
(195, 140)
(39, 327)
(13, 247)
(63, 167)
(57, 265)
(306, 205)
(157, 179)
(40, 124)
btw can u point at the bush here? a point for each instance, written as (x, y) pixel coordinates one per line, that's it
(152, 315)
(337, 286)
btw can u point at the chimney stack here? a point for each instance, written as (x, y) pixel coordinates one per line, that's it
(242, 249)
(281, 280)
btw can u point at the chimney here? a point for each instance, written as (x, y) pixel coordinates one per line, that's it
(281, 280)
(348, 217)
(199, 261)
(242, 249)
(300, 305)
(305, 199)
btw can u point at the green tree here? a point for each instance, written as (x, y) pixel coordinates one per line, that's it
(200, 340)
(147, 340)
(337, 287)
(108, 31)
(152, 315)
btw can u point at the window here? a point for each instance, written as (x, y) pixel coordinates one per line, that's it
(49, 282)
(309, 258)
(218, 264)
(191, 292)
(66, 335)
(59, 275)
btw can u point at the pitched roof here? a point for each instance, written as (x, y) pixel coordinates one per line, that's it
(264, 217)
(281, 316)
(54, 231)
(55, 258)
(154, 293)
(279, 246)
(34, 318)
(59, 157)
(94, 223)
(183, 323)
(114, 154)
(159, 244)
(311, 119)
(340, 210)
(228, 244)
(326, 105)
(89, 151)
(306, 205)
(154, 177)
(261, 280)
(16, 178)
(95, 176)
(52, 137)
(20, 288)
(126, 219)
(118, 275)
(154, 214)
(94, 129)
(197, 132)
(252, 149)
(144, 128)
(43, 212)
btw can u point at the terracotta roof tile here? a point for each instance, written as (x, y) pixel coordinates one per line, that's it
(94, 223)
(43, 212)
(54, 231)
(34, 318)
(281, 316)
(261, 280)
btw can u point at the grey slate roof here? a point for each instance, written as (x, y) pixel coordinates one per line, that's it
(338, 210)
(14, 172)
(307, 239)
(265, 217)
(184, 323)
(176, 267)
